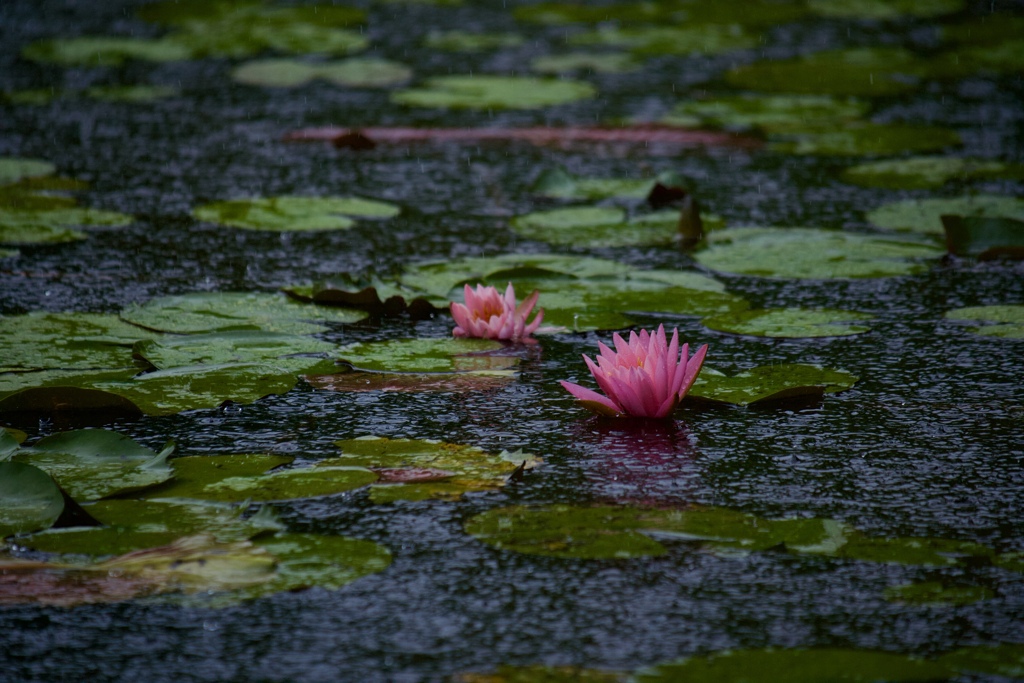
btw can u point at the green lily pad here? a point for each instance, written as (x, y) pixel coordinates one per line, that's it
(13, 169)
(1006, 659)
(935, 592)
(105, 50)
(131, 93)
(291, 73)
(224, 311)
(29, 499)
(707, 39)
(691, 12)
(450, 469)
(493, 92)
(809, 253)
(1013, 562)
(795, 666)
(10, 441)
(769, 383)
(287, 214)
(912, 551)
(466, 41)
(926, 172)
(596, 226)
(442, 382)
(884, 9)
(192, 474)
(26, 397)
(924, 215)
(54, 225)
(379, 298)
(175, 516)
(598, 533)
(97, 541)
(288, 484)
(93, 463)
(192, 12)
(234, 347)
(598, 62)
(38, 341)
(8, 253)
(987, 237)
(427, 355)
(1009, 319)
(789, 322)
(870, 139)
(858, 72)
(774, 113)
(559, 184)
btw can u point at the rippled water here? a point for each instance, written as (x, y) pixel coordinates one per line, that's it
(928, 443)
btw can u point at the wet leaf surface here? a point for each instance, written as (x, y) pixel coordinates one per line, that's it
(789, 322)
(769, 383)
(29, 499)
(927, 172)
(1009, 319)
(493, 92)
(357, 72)
(285, 214)
(924, 215)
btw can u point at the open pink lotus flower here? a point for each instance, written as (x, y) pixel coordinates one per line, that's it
(646, 377)
(489, 315)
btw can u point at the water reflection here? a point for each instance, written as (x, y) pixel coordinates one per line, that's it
(638, 461)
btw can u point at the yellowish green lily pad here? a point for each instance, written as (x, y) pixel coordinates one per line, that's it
(937, 593)
(54, 225)
(870, 139)
(357, 72)
(13, 169)
(924, 215)
(597, 226)
(1006, 659)
(769, 383)
(707, 39)
(937, 552)
(557, 183)
(775, 113)
(884, 9)
(493, 92)
(427, 355)
(466, 41)
(223, 311)
(287, 213)
(926, 172)
(795, 666)
(809, 253)
(1009, 319)
(789, 322)
(105, 50)
(598, 62)
(236, 346)
(29, 499)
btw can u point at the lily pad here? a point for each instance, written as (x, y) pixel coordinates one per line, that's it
(926, 172)
(769, 383)
(408, 463)
(287, 350)
(809, 253)
(357, 72)
(97, 541)
(1006, 659)
(858, 72)
(557, 183)
(757, 12)
(54, 225)
(598, 62)
(884, 9)
(130, 93)
(789, 322)
(379, 298)
(29, 499)
(287, 213)
(774, 113)
(937, 593)
(924, 215)
(441, 382)
(987, 237)
(192, 474)
(707, 39)
(493, 92)
(596, 227)
(427, 355)
(870, 139)
(93, 463)
(223, 311)
(1009, 319)
(466, 41)
(105, 50)
(912, 551)
(13, 169)
(795, 666)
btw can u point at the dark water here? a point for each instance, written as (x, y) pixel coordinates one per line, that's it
(929, 442)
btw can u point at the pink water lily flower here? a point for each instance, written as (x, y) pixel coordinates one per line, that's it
(489, 315)
(646, 377)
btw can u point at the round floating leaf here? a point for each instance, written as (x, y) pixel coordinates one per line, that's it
(778, 113)
(93, 463)
(935, 592)
(28, 397)
(596, 227)
(97, 541)
(757, 12)
(912, 551)
(1010, 319)
(23, 234)
(280, 214)
(291, 73)
(810, 253)
(459, 382)
(223, 311)
(925, 172)
(769, 383)
(795, 666)
(1006, 659)
(924, 215)
(789, 322)
(233, 347)
(494, 92)
(599, 533)
(13, 169)
(37, 341)
(871, 139)
(884, 9)
(131, 93)
(465, 41)
(557, 183)
(53, 225)
(8, 253)
(288, 484)
(599, 62)
(427, 355)
(867, 72)
(188, 13)
(706, 39)
(29, 499)
(105, 50)
(192, 474)
(177, 516)
(10, 441)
